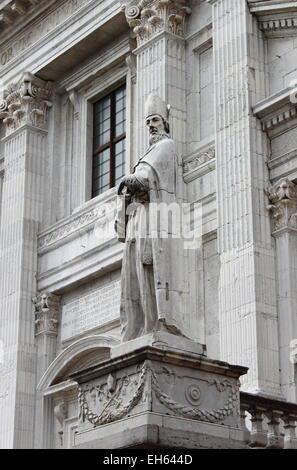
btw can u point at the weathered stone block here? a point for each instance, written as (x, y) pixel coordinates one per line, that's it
(142, 388)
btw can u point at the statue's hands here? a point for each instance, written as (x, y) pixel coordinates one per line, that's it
(128, 182)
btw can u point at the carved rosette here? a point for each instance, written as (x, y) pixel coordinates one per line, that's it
(283, 207)
(26, 103)
(150, 17)
(47, 308)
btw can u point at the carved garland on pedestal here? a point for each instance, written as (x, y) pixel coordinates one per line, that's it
(47, 307)
(283, 198)
(26, 103)
(108, 414)
(114, 409)
(149, 17)
(199, 413)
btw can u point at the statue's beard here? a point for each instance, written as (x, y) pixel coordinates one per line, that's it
(154, 138)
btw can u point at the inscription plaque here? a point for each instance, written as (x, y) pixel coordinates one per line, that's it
(91, 310)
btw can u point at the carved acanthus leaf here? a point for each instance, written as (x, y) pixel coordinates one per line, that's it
(47, 308)
(149, 17)
(26, 102)
(283, 198)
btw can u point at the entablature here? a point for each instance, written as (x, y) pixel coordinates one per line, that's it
(74, 29)
(84, 74)
(278, 115)
(13, 10)
(277, 18)
(278, 112)
(200, 162)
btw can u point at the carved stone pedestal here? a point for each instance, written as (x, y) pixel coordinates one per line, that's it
(150, 395)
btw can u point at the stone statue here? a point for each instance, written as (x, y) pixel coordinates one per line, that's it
(153, 286)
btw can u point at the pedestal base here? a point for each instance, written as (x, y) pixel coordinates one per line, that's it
(159, 391)
(157, 431)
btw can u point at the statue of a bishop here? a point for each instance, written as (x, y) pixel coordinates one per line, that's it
(154, 287)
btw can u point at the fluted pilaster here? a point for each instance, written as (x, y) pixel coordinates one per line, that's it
(247, 291)
(22, 205)
(283, 210)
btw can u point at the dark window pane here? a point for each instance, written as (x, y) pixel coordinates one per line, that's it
(120, 129)
(100, 170)
(120, 160)
(120, 117)
(101, 157)
(113, 157)
(119, 173)
(120, 93)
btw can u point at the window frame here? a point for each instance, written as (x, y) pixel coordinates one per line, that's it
(113, 139)
(109, 81)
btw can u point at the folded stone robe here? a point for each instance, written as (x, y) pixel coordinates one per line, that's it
(154, 275)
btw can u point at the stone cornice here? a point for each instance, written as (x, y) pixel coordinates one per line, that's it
(47, 308)
(277, 18)
(87, 72)
(147, 18)
(199, 163)
(26, 102)
(12, 10)
(278, 110)
(271, 6)
(283, 207)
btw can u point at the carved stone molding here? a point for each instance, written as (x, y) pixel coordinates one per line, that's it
(277, 19)
(12, 10)
(60, 412)
(74, 100)
(131, 63)
(278, 112)
(279, 119)
(100, 214)
(279, 25)
(283, 198)
(150, 17)
(199, 159)
(26, 102)
(47, 307)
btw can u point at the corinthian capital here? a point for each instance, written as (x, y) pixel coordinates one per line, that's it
(47, 307)
(26, 102)
(283, 198)
(150, 17)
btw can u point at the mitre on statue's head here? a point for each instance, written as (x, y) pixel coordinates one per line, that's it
(155, 105)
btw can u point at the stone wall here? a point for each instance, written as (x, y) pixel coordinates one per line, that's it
(226, 72)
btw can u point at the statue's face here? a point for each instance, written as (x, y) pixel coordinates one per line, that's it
(155, 124)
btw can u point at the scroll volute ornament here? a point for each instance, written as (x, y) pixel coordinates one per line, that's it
(149, 17)
(26, 102)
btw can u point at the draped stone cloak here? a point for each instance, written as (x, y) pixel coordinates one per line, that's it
(154, 279)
